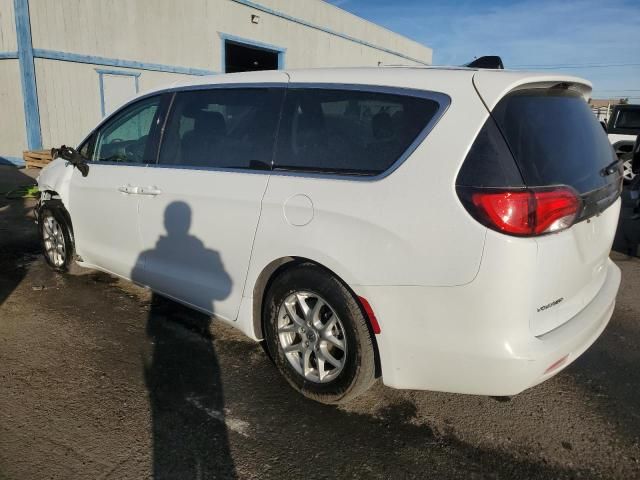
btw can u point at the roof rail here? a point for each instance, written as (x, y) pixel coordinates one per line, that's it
(487, 61)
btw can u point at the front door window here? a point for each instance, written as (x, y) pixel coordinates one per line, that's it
(125, 137)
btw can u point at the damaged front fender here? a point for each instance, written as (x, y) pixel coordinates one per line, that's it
(54, 181)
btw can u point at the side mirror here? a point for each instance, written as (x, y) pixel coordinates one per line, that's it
(635, 160)
(604, 126)
(72, 156)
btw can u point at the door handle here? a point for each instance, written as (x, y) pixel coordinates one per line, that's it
(128, 189)
(153, 191)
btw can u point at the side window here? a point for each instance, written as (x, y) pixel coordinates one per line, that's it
(88, 147)
(222, 128)
(124, 138)
(348, 131)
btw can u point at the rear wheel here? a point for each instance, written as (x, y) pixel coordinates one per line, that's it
(56, 238)
(318, 336)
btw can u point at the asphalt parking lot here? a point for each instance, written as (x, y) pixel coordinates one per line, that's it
(99, 381)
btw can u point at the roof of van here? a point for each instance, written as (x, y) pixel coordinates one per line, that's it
(433, 78)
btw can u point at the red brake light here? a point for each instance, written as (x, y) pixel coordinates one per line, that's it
(555, 210)
(525, 212)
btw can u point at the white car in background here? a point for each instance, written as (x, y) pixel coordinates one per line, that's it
(441, 228)
(623, 129)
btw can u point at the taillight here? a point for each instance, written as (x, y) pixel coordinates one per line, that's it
(523, 212)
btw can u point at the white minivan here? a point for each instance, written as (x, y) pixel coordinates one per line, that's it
(441, 228)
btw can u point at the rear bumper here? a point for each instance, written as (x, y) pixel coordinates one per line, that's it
(454, 339)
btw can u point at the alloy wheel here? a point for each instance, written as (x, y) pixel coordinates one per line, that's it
(53, 240)
(312, 336)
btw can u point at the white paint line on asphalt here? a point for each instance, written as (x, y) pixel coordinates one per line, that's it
(235, 424)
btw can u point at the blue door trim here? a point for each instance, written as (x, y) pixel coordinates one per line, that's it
(27, 74)
(116, 62)
(8, 55)
(102, 72)
(225, 37)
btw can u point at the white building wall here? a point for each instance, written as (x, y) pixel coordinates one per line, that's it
(72, 39)
(186, 33)
(70, 98)
(13, 136)
(7, 27)
(12, 124)
(337, 19)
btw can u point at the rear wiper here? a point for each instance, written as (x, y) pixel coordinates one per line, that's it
(612, 168)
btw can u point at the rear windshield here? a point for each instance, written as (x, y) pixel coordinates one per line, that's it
(555, 139)
(628, 118)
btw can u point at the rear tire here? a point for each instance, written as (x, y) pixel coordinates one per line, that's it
(55, 237)
(330, 356)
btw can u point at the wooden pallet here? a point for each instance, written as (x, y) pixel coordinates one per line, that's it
(36, 158)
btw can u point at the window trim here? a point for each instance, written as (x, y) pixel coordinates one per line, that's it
(116, 73)
(153, 133)
(442, 99)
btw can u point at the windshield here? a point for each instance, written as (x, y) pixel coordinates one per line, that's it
(555, 139)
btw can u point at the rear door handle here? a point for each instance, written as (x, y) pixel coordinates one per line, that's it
(149, 191)
(128, 189)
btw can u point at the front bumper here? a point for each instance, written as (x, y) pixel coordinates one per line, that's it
(454, 340)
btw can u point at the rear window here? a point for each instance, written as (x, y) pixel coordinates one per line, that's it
(555, 139)
(348, 131)
(627, 118)
(222, 128)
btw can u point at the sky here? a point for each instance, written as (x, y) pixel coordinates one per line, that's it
(595, 39)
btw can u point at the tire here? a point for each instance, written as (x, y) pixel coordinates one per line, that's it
(55, 237)
(338, 320)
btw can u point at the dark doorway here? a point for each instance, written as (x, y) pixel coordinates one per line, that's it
(245, 58)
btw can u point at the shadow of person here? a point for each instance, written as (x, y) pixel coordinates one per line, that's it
(190, 438)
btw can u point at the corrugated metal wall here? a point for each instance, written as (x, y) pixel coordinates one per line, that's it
(160, 41)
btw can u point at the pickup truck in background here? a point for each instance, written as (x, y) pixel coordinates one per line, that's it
(623, 128)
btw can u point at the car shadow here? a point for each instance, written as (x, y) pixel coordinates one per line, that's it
(608, 372)
(290, 436)
(18, 234)
(189, 428)
(627, 239)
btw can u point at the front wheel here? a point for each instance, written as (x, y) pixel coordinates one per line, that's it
(55, 237)
(318, 336)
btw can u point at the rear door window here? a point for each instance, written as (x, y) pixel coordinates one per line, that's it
(555, 139)
(222, 128)
(348, 131)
